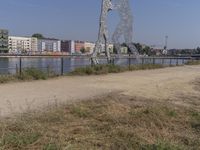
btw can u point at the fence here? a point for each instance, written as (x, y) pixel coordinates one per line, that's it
(62, 65)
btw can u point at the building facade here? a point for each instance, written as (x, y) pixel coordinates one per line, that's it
(49, 45)
(110, 48)
(78, 46)
(68, 46)
(3, 41)
(89, 47)
(22, 44)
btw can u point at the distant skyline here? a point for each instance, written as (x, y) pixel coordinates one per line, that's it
(78, 19)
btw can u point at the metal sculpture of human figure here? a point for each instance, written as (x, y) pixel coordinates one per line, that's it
(125, 27)
(102, 42)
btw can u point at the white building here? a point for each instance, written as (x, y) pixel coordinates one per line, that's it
(110, 48)
(22, 44)
(89, 47)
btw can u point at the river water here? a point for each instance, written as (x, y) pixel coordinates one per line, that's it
(9, 65)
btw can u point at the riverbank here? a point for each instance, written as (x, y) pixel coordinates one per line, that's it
(160, 83)
(145, 110)
(30, 74)
(114, 121)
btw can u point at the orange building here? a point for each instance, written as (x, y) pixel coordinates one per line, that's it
(79, 45)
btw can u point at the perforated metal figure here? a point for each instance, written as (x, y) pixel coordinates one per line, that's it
(102, 42)
(125, 27)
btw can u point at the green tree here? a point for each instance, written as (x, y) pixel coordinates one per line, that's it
(139, 48)
(147, 50)
(198, 50)
(38, 35)
(83, 50)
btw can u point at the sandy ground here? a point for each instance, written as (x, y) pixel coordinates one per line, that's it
(168, 83)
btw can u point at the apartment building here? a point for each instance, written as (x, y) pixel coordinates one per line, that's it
(68, 46)
(110, 48)
(89, 47)
(78, 46)
(3, 41)
(49, 45)
(73, 47)
(22, 44)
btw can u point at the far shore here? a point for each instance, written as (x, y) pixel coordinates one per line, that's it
(89, 56)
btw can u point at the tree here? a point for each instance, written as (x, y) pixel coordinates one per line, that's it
(38, 35)
(147, 50)
(83, 50)
(139, 48)
(198, 50)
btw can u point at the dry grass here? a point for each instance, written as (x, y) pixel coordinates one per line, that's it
(105, 69)
(27, 74)
(113, 122)
(197, 84)
(193, 62)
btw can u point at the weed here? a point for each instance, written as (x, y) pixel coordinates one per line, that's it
(105, 69)
(193, 62)
(80, 111)
(51, 146)
(19, 139)
(161, 146)
(32, 73)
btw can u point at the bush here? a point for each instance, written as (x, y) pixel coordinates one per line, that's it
(193, 62)
(6, 78)
(95, 70)
(105, 69)
(32, 74)
(146, 67)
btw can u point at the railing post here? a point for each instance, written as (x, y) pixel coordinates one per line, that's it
(48, 70)
(177, 61)
(62, 66)
(153, 60)
(163, 61)
(142, 61)
(129, 62)
(91, 63)
(170, 63)
(17, 70)
(20, 66)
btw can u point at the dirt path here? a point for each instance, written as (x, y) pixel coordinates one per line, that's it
(169, 83)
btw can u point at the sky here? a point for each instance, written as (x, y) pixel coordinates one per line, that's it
(78, 20)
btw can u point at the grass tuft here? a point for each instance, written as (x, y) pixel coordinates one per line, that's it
(105, 69)
(161, 146)
(193, 62)
(26, 75)
(33, 74)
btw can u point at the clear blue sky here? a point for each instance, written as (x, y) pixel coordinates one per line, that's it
(78, 19)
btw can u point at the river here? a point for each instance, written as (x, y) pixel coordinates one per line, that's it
(9, 65)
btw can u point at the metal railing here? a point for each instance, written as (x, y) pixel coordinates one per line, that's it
(62, 65)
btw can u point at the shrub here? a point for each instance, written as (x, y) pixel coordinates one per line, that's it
(105, 69)
(32, 73)
(193, 62)
(145, 67)
(6, 78)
